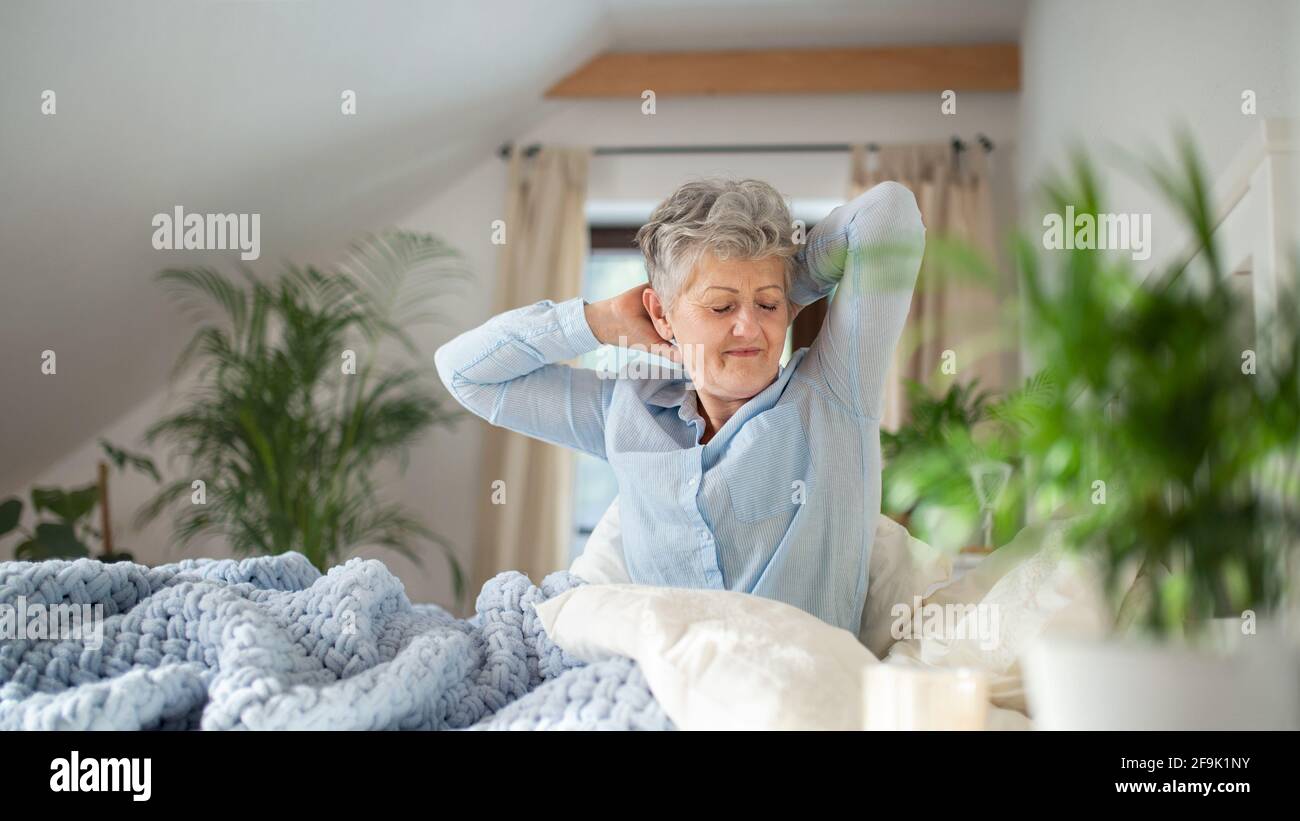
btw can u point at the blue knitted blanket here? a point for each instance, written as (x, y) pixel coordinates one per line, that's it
(272, 643)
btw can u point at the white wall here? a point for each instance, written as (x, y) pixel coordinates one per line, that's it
(1121, 73)
(442, 482)
(222, 107)
(1116, 71)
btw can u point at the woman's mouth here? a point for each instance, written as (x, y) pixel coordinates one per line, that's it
(743, 352)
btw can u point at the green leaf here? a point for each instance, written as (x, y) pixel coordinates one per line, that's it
(59, 540)
(44, 498)
(11, 510)
(122, 458)
(68, 505)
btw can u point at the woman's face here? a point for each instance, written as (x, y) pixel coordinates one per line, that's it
(730, 322)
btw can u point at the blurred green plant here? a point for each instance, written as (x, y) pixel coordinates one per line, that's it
(284, 436)
(927, 483)
(123, 459)
(70, 532)
(1172, 441)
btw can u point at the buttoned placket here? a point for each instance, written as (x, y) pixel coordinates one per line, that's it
(692, 467)
(707, 547)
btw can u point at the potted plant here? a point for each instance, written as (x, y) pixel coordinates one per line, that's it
(293, 410)
(937, 462)
(67, 531)
(1176, 457)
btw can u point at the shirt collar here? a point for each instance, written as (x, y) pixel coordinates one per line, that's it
(675, 394)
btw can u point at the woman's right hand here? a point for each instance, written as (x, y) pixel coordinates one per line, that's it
(622, 320)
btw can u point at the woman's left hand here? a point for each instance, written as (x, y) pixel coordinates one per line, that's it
(622, 320)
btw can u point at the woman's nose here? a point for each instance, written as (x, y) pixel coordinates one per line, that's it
(746, 324)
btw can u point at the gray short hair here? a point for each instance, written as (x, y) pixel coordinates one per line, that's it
(744, 219)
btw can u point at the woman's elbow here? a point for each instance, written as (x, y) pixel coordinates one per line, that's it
(444, 364)
(473, 397)
(889, 229)
(897, 199)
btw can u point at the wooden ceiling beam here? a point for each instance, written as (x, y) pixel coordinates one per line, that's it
(960, 67)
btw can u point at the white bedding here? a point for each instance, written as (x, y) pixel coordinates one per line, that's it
(726, 660)
(901, 567)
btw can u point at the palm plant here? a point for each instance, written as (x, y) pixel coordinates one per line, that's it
(293, 412)
(1178, 459)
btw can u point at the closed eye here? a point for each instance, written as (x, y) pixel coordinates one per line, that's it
(727, 309)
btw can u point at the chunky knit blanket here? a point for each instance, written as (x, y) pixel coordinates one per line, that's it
(272, 643)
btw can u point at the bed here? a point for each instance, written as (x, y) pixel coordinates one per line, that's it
(272, 643)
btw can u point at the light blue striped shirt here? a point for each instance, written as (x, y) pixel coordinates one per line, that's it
(782, 501)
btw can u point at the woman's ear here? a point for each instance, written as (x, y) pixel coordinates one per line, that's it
(655, 309)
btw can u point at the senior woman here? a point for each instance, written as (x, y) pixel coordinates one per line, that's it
(734, 473)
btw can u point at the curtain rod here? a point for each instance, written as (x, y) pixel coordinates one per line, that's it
(958, 145)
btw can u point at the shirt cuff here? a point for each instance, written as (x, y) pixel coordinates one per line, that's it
(806, 286)
(577, 333)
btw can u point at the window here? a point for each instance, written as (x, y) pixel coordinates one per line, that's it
(609, 272)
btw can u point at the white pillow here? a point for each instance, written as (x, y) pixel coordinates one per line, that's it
(1029, 587)
(900, 568)
(701, 669)
(717, 659)
(602, 561)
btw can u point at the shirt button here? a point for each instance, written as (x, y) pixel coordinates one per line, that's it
(691, 481)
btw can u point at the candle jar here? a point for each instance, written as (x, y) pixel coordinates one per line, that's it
(906, 697)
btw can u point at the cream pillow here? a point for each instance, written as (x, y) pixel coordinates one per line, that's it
(900, 568)
(719, 660)
(1025, 589)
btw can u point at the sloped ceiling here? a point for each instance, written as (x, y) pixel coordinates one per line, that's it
(235, 107)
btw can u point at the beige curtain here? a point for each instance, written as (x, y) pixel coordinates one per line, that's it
(948, 312)
(543, 257)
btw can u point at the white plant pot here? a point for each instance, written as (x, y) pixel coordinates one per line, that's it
(1245, 683)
